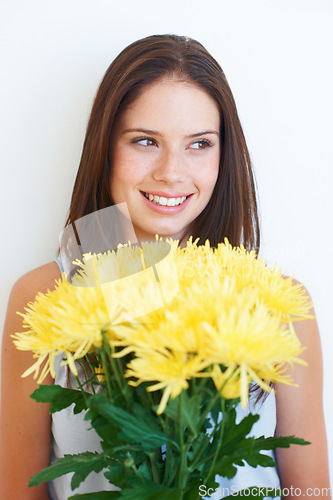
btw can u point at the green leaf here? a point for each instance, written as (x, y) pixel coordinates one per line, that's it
(235, 448)
(235, 433)
(255, 458)
(192, 489)
(196, 446)
(148, 490)
(144, 471)
(248, 450)
(116, 474)
(100, 495)
(190, 410)
(81, 464)
(243, 452)
(237, 451)
(134, 430)
(271, 443)
(226, 468)
(60, 397)
(105, 429)
(171, 466)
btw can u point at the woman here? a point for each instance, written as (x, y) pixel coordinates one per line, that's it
(164, 137)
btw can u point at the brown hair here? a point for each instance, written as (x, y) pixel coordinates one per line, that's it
(232, 209)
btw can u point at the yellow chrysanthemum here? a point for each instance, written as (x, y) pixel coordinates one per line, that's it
(278, 292)
(69, 319)
(181, 318)
(229, 381)
(222, 326)
(170, 370)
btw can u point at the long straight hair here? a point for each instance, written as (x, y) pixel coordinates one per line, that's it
(232, 209)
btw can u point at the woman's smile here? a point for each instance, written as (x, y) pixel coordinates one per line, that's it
(166, 204)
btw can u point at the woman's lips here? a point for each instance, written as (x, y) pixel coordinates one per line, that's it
(165, 209)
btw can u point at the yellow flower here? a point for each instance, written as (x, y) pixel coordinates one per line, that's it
(100, 373)
(222, 326)
(170, 370)
(67, 320)
(182, 314)
(229, 381)
(278, 292)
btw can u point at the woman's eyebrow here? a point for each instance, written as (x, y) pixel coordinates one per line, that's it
(156, 132)
(143, 130)
(205, 132)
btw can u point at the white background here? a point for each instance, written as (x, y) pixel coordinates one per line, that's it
(277, 56)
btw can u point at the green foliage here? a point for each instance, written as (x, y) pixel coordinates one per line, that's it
(164, 456)
(143, 430)
(190, 411)
(271, 443)
(60, 397)
(148, 490)
(192, 491)
(236, 448)
(117, 474)
(81, 464)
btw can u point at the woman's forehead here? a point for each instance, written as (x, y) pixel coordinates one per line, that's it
(173, 104)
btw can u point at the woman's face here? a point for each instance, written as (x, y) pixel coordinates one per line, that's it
(165, 158)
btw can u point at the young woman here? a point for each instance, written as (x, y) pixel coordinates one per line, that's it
(164, 137)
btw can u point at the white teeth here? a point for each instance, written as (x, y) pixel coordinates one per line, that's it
(161, 200)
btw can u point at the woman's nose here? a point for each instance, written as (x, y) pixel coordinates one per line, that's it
(169, 167)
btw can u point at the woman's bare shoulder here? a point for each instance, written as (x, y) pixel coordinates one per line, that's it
(24, 290)
(40, 279)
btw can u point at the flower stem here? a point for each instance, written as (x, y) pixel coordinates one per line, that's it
(107, 374)
(217, 396)
(209, 407)
(182, 472)
(84, 366)
(115, 365)
(219, 443)
(153, 467)
(80, 386)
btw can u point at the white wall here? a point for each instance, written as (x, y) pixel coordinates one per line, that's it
(278, 59)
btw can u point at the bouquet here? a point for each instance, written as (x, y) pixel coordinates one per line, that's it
(171, 340)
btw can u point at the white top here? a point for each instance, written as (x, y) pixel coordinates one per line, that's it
(247, 476)
(72, 434)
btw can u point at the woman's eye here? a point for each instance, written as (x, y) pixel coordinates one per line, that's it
(202, 144)
(145, 141)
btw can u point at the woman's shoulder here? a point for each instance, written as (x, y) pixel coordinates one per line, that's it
(303, 288)
(24, 290)
(37, 280)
